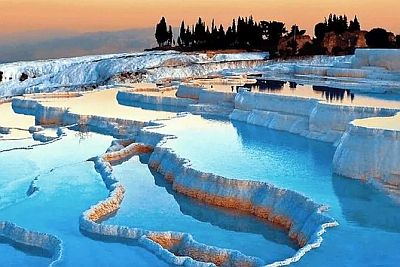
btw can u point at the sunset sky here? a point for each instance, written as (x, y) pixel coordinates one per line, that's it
(81, 16)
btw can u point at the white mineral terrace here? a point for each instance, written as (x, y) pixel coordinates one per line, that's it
(369, 70)
(273, 204)
(307, 116)
(73, 73)
(365, 135)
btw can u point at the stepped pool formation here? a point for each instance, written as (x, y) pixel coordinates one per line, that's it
(174, 159)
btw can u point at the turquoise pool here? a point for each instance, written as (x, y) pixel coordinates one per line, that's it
(150, 203)
(68, 185)
(6, 145)
(18, 255)
(369, 230)
(368, 234)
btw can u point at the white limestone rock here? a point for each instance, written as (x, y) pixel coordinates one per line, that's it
(369, 154)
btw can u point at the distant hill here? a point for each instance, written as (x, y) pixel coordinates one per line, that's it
(35, 46)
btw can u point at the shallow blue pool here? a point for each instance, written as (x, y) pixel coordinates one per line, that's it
(17, 255)
(368, 235)
(150, 203)
(68, 185)
(13, 144)
(369, 231)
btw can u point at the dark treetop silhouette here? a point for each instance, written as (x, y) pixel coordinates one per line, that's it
(336, 35)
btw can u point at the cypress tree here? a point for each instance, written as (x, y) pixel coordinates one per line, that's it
(161, 33)
(182, 35)
(354, 25)
(170, 35)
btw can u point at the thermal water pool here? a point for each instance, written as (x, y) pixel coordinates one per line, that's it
(368, 233)
(340, 96)
(150, 203)
(104, 103)
(18, 124)
(68, 185)
(17, 134)
(14, 144)
(22, 256)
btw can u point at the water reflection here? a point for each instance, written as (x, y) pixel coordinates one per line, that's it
(359, 203)
(252, 136)
(266, 85)
(223, 218)
(27, 250)
(292, 85)
(365, 205)
(168, 210)
(82, 132)
(334, 94)
(110, 239)
(330, 94)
